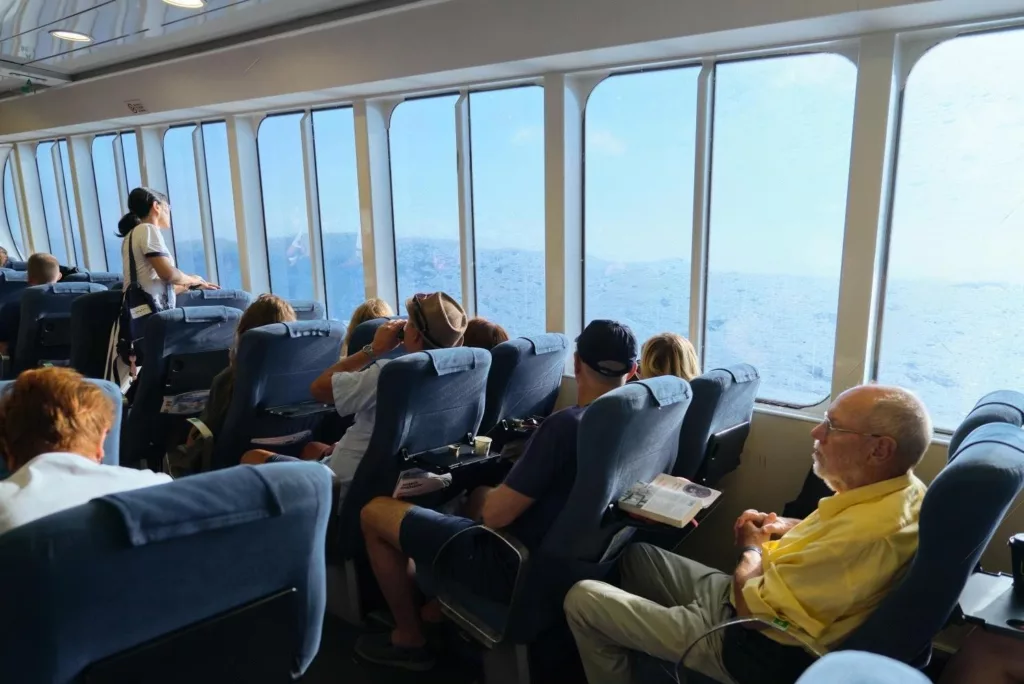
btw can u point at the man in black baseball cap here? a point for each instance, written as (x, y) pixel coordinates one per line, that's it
(607, 347)
(526, 504)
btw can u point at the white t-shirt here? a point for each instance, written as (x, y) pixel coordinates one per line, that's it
(355, 393)
(146, 240)
(54, 482)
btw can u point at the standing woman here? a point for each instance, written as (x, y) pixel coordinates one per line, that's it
(148, 266)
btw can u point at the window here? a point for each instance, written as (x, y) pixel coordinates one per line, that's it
(69, 192)
(338, 189)
(222, 204)
(283, 179)
(425, 197)
(780, 166)
(951, 315)
(507, 143)
(638, 153)
(104, 170)
(183, 194)
(130, 152)
(51, 201)
(11, 207)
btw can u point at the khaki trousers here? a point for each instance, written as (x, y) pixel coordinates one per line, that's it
(665, 604)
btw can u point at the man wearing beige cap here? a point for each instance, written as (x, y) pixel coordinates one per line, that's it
(436, 321)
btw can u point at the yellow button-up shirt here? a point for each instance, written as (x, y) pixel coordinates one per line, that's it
(826, 575)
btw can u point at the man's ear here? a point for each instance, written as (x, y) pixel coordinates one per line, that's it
(576, 364)
(98, 457)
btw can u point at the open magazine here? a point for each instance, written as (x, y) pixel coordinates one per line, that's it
(670, 500)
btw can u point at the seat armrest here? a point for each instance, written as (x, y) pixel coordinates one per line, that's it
(300, 410)
(462, 614)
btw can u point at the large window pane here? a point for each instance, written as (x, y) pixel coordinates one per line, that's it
(283, 180)
(638, 207)
(69, 190)
(781, 157)
(952, 314)
(222, 204)
(425, 197)
(11, 208)
(105, 171)
(334, 143)
(183, 193)
(507, 140)
(130, 151)
(51, 201)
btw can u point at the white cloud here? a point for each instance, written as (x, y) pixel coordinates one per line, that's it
(527, 134)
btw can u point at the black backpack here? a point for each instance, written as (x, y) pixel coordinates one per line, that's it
(137, 306)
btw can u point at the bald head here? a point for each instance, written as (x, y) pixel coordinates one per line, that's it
(872, 433)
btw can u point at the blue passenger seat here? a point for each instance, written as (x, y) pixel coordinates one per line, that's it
(212, 578)
(425, 402)
(271, 407)
(184, 350)
(630, 434)
(717, 424)
(854, 667)
(92, 319)
(44, 331)
(363, 335)
(525, 377)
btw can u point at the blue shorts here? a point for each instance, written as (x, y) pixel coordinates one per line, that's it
(482, 564)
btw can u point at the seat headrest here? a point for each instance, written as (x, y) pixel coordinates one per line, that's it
(665, 390)
(741, 372)
(12, 276)
(189, 506)
(68, 288)
(548, 343)
(208, 314)
(458, 360)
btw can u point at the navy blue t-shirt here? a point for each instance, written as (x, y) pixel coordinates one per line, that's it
(546, 473)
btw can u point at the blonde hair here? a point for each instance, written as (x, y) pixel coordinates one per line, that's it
(367, 311)
(669, 354)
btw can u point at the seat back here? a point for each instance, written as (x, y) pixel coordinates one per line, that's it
(1001, 406)
(17, 265)
(988, 469)
(92, 318)
(44, 332)
(12, 283)
(524, 379)
(425, 401)
(275, 365)
(112, 444)
(236, 299)
(184, 350)
(717, 423)
(307, 309)
(363, 334)
(76, 277)
(629, 435)
(162, 563)
(855, 667)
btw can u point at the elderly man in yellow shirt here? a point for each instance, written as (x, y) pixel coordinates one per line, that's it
(817, 583)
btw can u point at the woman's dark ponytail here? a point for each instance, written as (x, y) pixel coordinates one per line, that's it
(140, 204)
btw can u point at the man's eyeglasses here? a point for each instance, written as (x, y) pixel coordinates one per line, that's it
(830, 428)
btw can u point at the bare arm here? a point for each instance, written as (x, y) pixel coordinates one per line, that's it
(384, 340)
(169, 274)
(502, 506)
(749, 567)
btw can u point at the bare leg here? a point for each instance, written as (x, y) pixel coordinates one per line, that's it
(382, 521)
(256, 456)
(986, 658)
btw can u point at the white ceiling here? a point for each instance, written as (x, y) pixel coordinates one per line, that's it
(126, 30)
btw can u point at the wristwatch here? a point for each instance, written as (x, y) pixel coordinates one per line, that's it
(368, 350)
(755, 549)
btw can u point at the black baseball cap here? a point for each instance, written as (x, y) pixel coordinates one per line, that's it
(608, 347)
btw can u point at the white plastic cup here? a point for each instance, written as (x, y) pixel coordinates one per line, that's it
(481, 446)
